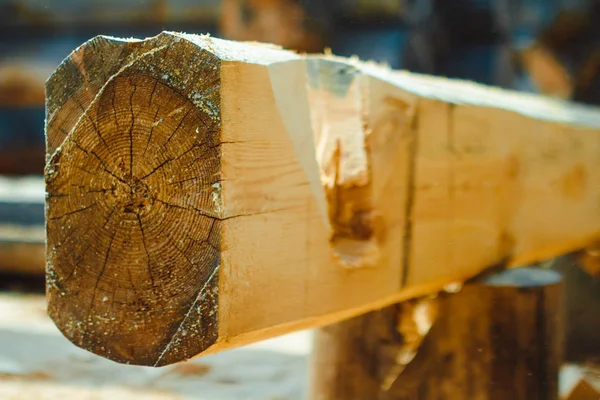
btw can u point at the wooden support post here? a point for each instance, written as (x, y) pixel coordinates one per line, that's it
(203, 193)
(499, 338)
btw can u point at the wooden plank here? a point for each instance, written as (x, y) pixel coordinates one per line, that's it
(499, 338)
(205, 193)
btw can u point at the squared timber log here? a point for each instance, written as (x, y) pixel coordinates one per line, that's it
(203, 194)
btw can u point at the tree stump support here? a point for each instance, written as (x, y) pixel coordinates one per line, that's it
(498, 338)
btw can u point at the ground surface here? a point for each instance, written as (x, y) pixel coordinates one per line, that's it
(38, 363)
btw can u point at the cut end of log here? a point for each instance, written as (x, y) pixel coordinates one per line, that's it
(134, 211)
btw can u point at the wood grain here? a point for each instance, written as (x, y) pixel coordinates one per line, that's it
(217, 193)
(131, 190)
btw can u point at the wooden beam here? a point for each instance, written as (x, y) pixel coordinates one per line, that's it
(203, 194)
(499, 338)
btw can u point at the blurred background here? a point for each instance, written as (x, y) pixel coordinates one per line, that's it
(550, 47)
(547, 46)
